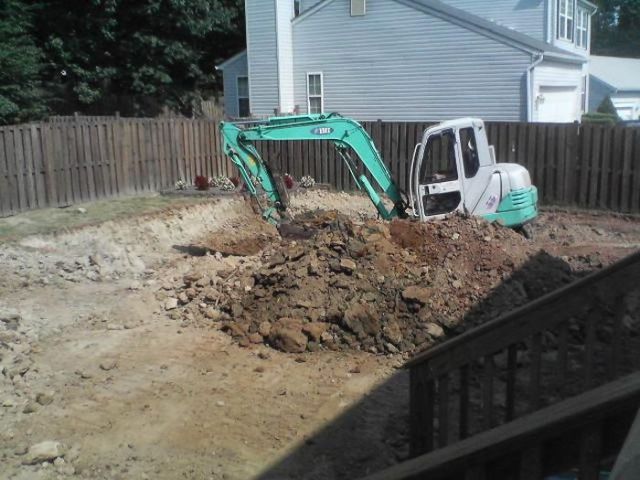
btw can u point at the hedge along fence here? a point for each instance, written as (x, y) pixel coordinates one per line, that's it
(61, 163)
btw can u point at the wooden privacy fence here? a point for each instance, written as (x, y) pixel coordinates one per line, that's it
(82, 159)
(61, 163)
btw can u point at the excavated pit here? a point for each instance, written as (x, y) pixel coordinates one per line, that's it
(328, 282)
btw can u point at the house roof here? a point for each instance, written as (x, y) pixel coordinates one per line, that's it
(525, 41)
(228, 61)
(622, 74)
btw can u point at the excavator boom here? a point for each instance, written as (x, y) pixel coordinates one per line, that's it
(343, 132)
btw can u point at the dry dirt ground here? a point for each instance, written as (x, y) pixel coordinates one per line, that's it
(92, 359)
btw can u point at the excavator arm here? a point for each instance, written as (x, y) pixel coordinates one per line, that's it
(343, 132)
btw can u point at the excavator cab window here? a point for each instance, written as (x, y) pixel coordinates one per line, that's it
(469, 148)
(439, 162)
(438, 175)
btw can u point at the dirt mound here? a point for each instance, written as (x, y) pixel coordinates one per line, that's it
(381, 287)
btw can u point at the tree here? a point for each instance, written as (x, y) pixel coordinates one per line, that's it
(135, 56)
(616, 28)
(21, 97)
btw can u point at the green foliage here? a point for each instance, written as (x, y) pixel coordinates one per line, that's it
(607, 107)
(600, 118)
(21, 98)
(136, 56)
(616, 28)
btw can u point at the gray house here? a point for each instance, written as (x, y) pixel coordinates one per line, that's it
(619, 79)
(413, 60)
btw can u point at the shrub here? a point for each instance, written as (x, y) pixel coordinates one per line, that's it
(307, 181)
(288, 181)
(600, 118)
(202, 183)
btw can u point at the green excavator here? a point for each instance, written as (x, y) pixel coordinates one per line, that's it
(453, 169)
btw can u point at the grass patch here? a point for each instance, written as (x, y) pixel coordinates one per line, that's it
(51, 220)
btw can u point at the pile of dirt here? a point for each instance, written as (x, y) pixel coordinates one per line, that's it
(376, 286)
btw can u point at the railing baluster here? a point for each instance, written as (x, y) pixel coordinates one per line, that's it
(443, 411)
(512, 367)
(534, 372)
(487, 392)
(617, 348)
(563, 351)
(589, 347)
(590, 452)
(464, 402)
(531, 464)
(429, 414)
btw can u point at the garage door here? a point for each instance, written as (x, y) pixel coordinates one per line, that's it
(557, 104)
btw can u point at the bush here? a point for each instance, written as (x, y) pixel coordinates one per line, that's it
(202, 183)
(600, 118)
(288, 181)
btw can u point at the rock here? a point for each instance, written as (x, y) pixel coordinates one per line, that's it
(44, 452)
(347, 265)
(81, 210)
(171, 303)
(416, 294)
(314, 330)
(392, 332)
(29, 408)
(8, 403)
(183, 298)
(286, 335)
(191, 293)
(214, 314)
(44, 398)
(361, 320)
(264, 328)
(276, 260)
(457, 284)
(135, 285)
(108, 365)
(211, 295)
(434, 330)
(255, 338)
(191, 278)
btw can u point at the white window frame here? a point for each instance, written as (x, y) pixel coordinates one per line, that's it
(582, 28)
(309, 96)
(355, 13)
(238, 96)
(563, 19)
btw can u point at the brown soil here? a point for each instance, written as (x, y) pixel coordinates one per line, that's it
(139, 391)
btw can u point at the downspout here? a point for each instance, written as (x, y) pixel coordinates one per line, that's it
(536, 61)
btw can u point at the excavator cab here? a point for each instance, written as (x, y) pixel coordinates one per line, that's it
(454, 169)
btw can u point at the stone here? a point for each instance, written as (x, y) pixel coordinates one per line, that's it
(457, 284)
(286, 335)
(264, 328)
(392, 332)
(277, 260)
(44, 452)
(214, 314)
(416, 294)
(361, 320)
(255, 338)
(171, 303)
(81, 210)
(29, 408)
(183, 298)
(44, 398)
(434, 330)
(191, 293)
(314, 330)
(211, 295)
(347, 265)
(135, 285)
(8, 403)
(108, 365)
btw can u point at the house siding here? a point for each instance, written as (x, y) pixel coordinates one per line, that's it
(231, 72)
(307, 4)
(392, 73)
(525, 16)
(262, 56)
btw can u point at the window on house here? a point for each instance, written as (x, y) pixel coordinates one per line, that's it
(315, 99)
(358, 8)
(296, 8)
(582, 28)
(583, 94)
(243, 97)
(566, 11)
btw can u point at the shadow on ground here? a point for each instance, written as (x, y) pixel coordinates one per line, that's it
(373, 434)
